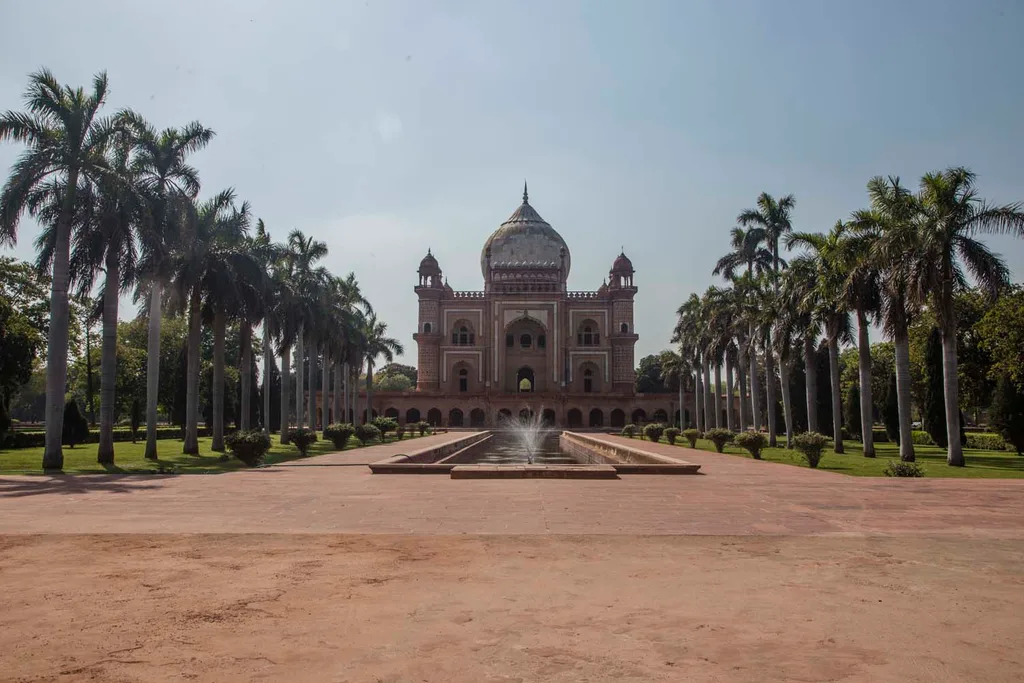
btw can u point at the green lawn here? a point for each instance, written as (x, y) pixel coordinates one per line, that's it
(129, 458)
(980, 463)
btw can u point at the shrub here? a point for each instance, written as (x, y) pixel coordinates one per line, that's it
(671, 434)
(752, 442)
(691, 435)
(811, 444)
(921, 438)
(629, 430)
(302, 438)
(367, 432)
(76, 428)
(720, 436)
(423, 426)
(339, 433)
(35, 439)
(989, 442)
(249, 446)
(1007, 413)
(654, 431)
(385, 425)
(897, 468)
(400, 432)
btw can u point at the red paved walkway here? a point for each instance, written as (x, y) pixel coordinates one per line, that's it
(733, 495)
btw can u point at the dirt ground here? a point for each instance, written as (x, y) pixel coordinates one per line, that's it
(483, 609)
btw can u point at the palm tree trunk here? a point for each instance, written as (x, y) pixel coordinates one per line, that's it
(769, 378)
(698, 400)
(300, 351)
(153, 368)
(217, 393)
(191, 445)
(336, 413)
(57, 344)
(286, 380)
(108, 358)
(709, 404)
(682, 392)
(787, 400)
(955, 452)
(741, 377)
(837, 397)
(718, 394)
(345, 377)
(311, 392)
(245, 375)
(729, 421)
(755, 386)
(811, 380)
(325, 391)
(267, 360)
(369, 391)
(864, 362)
(902, 348)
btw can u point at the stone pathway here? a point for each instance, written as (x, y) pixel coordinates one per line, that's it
(731, 496)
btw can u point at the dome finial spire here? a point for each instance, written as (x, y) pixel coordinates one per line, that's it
(526, 195)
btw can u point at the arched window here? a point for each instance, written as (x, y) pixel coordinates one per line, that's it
(542, 341)
(624, 328)
(587, 335)
(525, 341)
(462, 336)
(588, 381)
(463, 379)
(426, 328)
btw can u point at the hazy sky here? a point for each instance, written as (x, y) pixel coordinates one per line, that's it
(386, 127)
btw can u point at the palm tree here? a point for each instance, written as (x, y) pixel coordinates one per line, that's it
(773, 218)
(862, 294)
(267, 254)
(66, 148)
(686, 334)
(952, 214)
(801, 296)
(170, 184)
(206, 263)
(304, 252)
(378, 344)
(116, 209)
(825, 254)
(746, 251)
(891, 222)
(675, 367)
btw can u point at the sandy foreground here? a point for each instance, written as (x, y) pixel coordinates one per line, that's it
(482, 609)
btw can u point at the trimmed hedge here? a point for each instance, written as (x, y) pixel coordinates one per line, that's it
(37, 439)
(989, 442)
(248, 446)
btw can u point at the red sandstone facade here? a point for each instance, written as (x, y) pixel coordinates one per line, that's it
(525, 344)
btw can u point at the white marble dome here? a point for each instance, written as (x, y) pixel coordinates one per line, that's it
(525, 240)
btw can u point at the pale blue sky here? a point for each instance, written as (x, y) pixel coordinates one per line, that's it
(387, 127)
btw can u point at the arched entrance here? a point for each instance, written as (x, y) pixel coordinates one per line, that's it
(660, 416)
(391, 412)
(639, 416)
(454, 417)
(548, 417)
(618, 418)
(596, 418)
(434, 417)
(525, 414)
(574, 418)
(412, 416)
(504, 415)
(525, 379)
(477, 418)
